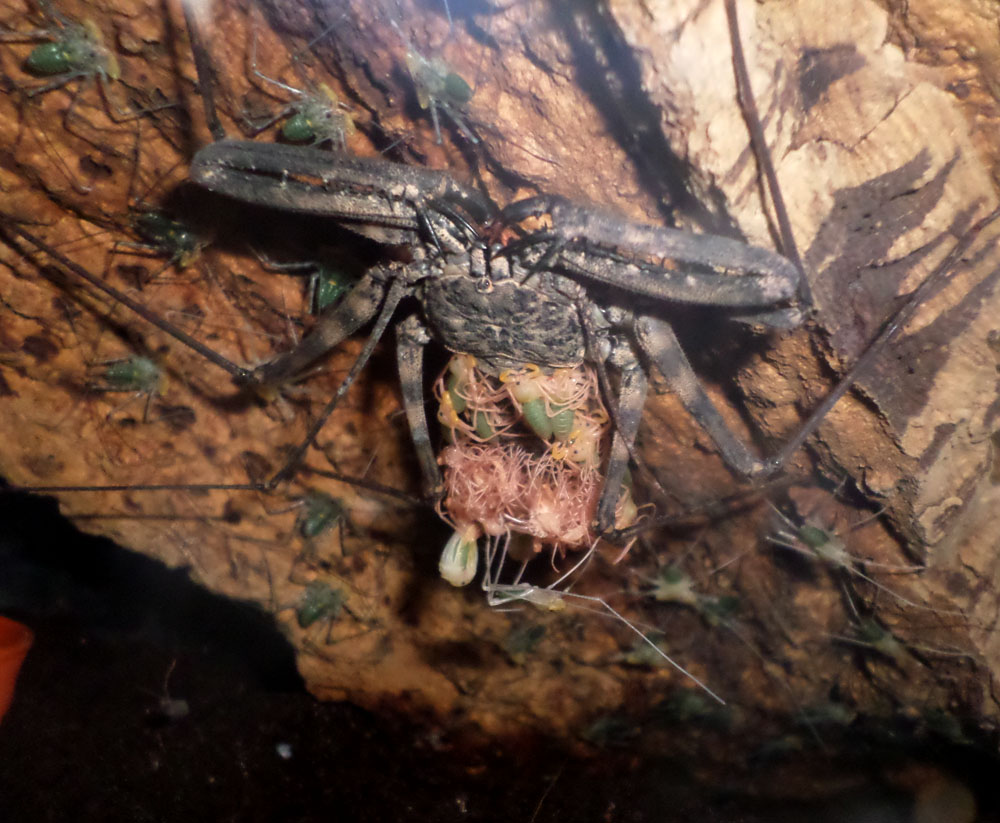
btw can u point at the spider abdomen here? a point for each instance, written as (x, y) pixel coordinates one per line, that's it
(506, 325)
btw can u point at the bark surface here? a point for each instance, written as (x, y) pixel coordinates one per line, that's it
(879, 120)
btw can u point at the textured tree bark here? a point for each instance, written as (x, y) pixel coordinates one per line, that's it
(878, 121)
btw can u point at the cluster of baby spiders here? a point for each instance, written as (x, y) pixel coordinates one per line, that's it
(523, 456)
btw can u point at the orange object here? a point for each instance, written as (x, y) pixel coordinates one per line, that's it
(15, 640)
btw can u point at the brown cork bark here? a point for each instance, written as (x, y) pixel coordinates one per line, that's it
(879, 122)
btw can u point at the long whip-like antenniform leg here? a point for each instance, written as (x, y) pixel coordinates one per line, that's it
(212, 356)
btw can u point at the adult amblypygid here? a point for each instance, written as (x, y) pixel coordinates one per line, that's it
(539, 252)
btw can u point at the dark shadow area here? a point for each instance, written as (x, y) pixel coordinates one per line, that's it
(609, 72)
(52, 574)
(146, 698)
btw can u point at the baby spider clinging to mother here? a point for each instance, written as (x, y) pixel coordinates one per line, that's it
(523, 457)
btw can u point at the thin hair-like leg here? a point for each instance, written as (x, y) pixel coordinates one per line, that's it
(8, 227)
(193, 12)
(748, 105)
(551, 598)
(930, 285)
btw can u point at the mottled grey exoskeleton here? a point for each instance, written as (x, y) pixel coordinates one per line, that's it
(590, 289)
